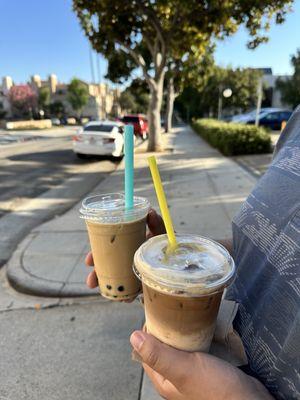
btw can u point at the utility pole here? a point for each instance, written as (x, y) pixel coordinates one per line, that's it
(98, 69)
(259, 100)
(92, 65)
(220, 101)
(98, 107)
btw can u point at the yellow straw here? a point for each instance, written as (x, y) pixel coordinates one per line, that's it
(161, 197)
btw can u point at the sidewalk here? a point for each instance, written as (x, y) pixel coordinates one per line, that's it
(204, 191)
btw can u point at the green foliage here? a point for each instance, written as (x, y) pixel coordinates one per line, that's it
(233, 139)
(175, 25)
(120, 67)
(43, 97)
(57, 109)
(155, 34)
(204, 101)
(135, 98)
(290, 89)
(127, 102)
(78, 94)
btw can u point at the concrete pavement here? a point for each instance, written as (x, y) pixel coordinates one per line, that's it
(76, 352)
(204, 191)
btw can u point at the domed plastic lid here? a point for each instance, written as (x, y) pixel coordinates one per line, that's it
(110, 208)
(198, 266)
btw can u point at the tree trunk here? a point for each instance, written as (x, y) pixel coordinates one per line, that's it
(156, 93)
(170, 105)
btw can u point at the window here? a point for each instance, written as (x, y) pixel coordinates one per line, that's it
(272, 116)
(99, 128)
(131, 119)
(285, 115)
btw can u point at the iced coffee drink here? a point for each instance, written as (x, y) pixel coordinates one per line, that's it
(183, 289)
(115, 234)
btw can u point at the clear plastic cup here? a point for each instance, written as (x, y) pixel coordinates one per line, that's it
(115, 234)
(183, 290)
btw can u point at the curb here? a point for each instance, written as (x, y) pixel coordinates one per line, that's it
(23, 221)
(23, 281)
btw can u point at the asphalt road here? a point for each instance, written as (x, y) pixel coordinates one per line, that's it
(40, 163)
(41, 178)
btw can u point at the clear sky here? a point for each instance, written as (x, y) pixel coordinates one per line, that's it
(44, 36)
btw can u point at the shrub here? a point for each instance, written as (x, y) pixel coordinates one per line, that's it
(233, 139)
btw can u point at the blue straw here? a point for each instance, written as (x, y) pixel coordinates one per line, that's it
(129, 147)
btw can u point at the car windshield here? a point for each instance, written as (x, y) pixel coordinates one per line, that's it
(99, 128)
(131, 119)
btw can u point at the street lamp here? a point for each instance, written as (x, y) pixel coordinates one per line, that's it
(225, 93)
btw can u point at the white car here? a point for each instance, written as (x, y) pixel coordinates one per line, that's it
(100, 138)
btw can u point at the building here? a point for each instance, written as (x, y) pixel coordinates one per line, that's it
(272, 96)
(102, 102)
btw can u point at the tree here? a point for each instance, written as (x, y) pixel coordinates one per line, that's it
(199, 102)
(57, 109)
(23, 100)
(162, 30)
(78, 95)
(127, 101)
(290, 88)
(135, 98)
(193, 71)
(44, 97)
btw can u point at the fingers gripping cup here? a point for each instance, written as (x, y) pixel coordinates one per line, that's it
(115, 234)
(183, 289)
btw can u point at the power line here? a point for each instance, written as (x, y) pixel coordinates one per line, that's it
(98, 69)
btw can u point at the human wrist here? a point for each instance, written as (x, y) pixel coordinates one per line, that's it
(250, 389)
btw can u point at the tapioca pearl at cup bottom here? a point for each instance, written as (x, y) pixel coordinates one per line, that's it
(108, 287)
(121, 288)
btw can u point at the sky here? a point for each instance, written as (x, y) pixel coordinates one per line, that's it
(44, 36)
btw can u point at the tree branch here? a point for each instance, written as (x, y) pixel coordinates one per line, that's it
(155, 22)
(138, 58)
(149, 45)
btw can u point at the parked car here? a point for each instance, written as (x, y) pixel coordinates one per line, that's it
(240, 118)
(140, 124)
(55, 121)
(271, 119)
(99, 138)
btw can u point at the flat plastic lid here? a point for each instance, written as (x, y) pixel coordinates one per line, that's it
(110, 208)
(197, 267)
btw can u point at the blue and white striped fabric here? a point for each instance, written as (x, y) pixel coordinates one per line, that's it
(266, 238)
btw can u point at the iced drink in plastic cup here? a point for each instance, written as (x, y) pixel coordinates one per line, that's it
(183, 289)
(115, 234)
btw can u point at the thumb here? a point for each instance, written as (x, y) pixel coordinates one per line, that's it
(172, 364)
(155, 223)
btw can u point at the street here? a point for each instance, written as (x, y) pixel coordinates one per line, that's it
(29, 168)
(41, 177)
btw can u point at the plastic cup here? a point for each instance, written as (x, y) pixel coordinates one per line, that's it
(183, 290)
(115, 234)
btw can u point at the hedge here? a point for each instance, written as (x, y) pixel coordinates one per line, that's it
(233, 139)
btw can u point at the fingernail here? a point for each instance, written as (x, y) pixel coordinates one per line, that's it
(137, 339)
